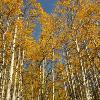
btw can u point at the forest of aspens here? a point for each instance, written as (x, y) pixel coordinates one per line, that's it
(63, 63)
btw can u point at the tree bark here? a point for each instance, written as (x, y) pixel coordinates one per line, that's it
(8, 96)
(53, 78)
(16, 75)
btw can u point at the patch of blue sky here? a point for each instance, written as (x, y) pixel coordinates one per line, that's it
(37, 31)
(47, 5)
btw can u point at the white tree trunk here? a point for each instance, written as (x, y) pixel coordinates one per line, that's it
(83, 74)
(43, 76)
(3, 84)
(84, 83)
(65, 88)
(20, 88)
(53, 78)
(66, 70)
(73, 85)
(39, 98)
(16, 75)
(11, 66)
(3, 72)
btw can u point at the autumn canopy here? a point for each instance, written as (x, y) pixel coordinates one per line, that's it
(63, 63)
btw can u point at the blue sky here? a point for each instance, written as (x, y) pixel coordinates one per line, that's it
(47, 5)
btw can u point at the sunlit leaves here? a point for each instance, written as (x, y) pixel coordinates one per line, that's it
(68, 49)
(6, 1)
(19, 23)
(64, 2)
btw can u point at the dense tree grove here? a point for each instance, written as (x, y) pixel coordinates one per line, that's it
(63, 64)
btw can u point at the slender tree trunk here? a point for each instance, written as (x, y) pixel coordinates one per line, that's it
(43, 77)
(20, 88)
(16, 75)
(73, 85)
(70, 78)
(11, 66)
(65, 87)
(83, 72)
(84, 82)
(53, 77)
(3, 67)
(94, 75)
(39, 96)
